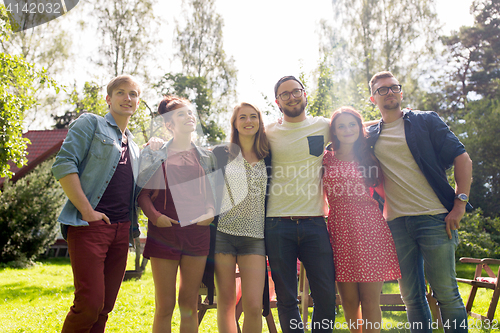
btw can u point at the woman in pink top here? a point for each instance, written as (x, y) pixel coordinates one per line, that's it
(177, 197)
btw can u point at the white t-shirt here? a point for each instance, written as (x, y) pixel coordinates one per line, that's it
(297, 155)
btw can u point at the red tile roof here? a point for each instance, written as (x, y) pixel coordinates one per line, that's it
(44, 144)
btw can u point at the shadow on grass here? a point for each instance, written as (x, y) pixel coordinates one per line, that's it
(23, 290)
(51, 261)
(55, 261)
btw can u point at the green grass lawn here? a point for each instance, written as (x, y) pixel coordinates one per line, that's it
(37, 300)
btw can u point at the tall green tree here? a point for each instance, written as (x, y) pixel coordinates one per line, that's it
(467, 95)
(201, 52)
(92, 101)
(479, 236)
(471, 60)
(386, 35)
(195, 89)
(129, 31)
(18, 82)
(129, 36)
(47, 47)
(480, 134)
(201, 47)
(321, 102)
(333, 86)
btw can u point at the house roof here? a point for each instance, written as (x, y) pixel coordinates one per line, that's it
(44, 144)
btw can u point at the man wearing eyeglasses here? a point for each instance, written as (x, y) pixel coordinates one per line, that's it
(295, 223)
(423, 211)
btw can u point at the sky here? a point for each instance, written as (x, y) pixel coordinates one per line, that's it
(268, 39)
(258, 35)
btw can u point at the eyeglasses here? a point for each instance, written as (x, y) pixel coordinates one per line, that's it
(382, 91)
(285, 96)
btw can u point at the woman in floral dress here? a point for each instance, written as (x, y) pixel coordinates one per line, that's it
(363, 248)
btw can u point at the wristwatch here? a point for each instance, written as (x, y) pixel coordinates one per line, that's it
(462, 197)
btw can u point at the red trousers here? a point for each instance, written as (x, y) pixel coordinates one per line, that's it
(98, 255)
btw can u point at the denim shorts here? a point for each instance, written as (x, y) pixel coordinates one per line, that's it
(239, 245)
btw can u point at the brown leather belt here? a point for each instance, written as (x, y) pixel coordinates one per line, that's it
(298, 217)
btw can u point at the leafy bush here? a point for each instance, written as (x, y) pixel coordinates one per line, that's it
(479, 236)
(28, 215)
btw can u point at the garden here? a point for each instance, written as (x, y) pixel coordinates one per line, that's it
(36, 299)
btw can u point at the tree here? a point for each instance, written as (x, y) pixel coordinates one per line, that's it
(201, 48)
(332, 79)
(129, 38)
(18, 82)
(471, 62)
(28, 216)
(467, 94)
(386, 35)
(480, 134)
(201, 52)
(92, 102)
(128, 30)
(321, 101)
(47, 47)
(195, 89)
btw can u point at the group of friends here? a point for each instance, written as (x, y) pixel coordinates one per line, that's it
(265, 195)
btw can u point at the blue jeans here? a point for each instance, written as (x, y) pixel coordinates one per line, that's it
(422, 244)
(308, 240)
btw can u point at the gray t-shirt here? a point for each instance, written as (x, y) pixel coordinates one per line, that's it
(407, 191)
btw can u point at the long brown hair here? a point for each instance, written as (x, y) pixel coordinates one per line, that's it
(362, 154)
(260, 145)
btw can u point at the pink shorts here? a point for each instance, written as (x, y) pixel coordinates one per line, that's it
(175, 241)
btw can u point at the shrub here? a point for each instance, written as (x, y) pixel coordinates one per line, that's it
(479, 236)
(28, 215)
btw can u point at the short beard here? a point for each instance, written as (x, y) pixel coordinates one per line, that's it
(392, 107)
(296, 111)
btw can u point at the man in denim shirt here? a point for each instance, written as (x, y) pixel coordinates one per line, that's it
(423, 211)
(96, 166)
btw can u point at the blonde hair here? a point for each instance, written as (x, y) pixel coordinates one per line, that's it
(260, 145)
(119, 80)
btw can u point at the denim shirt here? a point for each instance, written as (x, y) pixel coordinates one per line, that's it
(152, 160)
(92, 149)
(433, 146)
